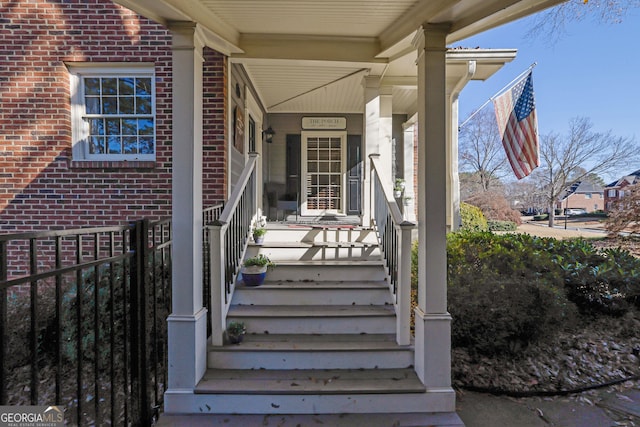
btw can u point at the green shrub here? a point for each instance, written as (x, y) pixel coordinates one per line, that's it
(606, 281)
(472, 218)
(541, 217)
(495, 225)
(504, 292)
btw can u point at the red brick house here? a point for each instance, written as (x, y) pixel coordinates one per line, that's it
(587, 196)
(52, 177)
(110, 115)
(615, 190)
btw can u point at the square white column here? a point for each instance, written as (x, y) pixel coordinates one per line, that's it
(433, 322)
(377, 133)
(187, 323)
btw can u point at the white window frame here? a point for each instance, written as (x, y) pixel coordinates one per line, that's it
(304, 171)
(611, 193)
(80, 128)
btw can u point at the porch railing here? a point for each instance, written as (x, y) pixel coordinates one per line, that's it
(209, 216)
(394, 236)
(228, 239)
(84, 327)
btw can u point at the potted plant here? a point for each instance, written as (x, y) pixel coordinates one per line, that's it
(235, 332)
(254, 269)
(258, 235)
(398, 188)
(258, 228)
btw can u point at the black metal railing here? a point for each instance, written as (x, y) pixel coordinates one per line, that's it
(85, 327)
(209, 216)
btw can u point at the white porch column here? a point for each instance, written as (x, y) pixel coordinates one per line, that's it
(409, 170)
(187, 323)
(433, 322)
(378, 133)
(453, 180)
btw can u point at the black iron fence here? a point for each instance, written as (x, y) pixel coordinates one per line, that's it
(84, 327)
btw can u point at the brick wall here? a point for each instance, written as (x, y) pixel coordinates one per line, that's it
(41, 187)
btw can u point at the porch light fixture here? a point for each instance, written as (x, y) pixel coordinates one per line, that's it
(268, 135)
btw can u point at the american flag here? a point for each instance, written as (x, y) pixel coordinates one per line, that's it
(516, 115)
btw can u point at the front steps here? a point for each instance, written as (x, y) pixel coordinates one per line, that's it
(320, 336)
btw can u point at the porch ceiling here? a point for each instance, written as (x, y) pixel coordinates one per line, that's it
(310, 56)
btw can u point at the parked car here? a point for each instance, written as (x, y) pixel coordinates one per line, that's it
(575, 211)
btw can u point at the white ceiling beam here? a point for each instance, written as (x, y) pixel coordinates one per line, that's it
(309, 48)
(413, 19)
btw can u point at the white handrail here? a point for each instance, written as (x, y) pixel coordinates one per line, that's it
(236, 194)
(228, 237)
(394, 237)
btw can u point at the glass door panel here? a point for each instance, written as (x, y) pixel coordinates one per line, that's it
(324, 168)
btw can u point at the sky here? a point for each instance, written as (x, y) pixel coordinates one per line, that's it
(593, 71)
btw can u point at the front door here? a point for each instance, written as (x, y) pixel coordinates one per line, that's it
(323, 171)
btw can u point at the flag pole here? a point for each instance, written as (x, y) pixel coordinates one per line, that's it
(508, 85)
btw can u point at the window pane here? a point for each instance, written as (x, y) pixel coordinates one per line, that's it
(146, 145)
(129, 127)
(130, 144)
(143, 105)
(118, 112)
(109, 105)
(143, 86)
(126, 104)
(126, 85)
(92, 86)
(96, 126)
(114, 145)
(92, 104)
(96, 145)
(145, 126)
(110, 86)
(113, 126)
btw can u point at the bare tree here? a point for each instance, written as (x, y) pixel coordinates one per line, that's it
(552, 23)
(564, 161)
(624, 215)
(481, 151)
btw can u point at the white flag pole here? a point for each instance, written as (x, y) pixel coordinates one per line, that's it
(498, 93)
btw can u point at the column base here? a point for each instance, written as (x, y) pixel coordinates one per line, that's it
(433, 349)
(187, 350)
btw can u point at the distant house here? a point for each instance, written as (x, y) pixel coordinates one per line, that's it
(616, 190)
(587, 196)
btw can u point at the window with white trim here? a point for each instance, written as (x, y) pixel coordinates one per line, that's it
(113, 112)
(612, 193)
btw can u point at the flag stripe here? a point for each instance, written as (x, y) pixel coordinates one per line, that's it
(518, 125)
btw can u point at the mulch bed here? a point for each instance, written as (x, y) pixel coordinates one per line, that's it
(597, 351)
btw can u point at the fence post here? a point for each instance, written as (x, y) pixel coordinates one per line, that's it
(137, 309)
(217, 280)
(403, 333)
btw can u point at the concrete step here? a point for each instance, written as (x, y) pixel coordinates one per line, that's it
(291, 351)
(313, 391)
(313, 293)
(315, 319)
(278, 251)
(440, 419)
(327, 270)
(304, 233)
(310, 381)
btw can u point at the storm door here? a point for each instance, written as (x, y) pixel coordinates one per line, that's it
(323, 169)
